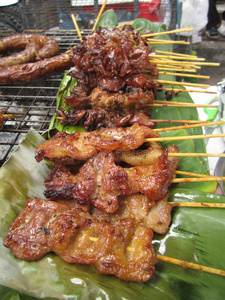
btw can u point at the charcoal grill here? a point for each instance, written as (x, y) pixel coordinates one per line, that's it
(35, 102)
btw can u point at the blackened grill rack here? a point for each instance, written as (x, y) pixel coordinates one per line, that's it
(34, 102)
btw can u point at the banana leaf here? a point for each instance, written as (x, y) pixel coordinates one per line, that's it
(196, 235)
(108, 19)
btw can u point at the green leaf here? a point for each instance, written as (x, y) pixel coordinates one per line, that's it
(189, 164)
(196, 235)
(147, 25)
(65, 88)
(108, 19)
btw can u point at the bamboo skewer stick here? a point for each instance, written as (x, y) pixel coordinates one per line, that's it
(173, 57)
(175, 54)
(189, 126)
(191, 174)
(197, 204)
(192, 68)
(187, 104)
(198, 179)
(125, 23)
(183, 83)
(11, 116)
(99, 15)
(188, 62)
(185, 90)
(196, 154)
(140, 28)
(168, 42)
(176, 68)
(175, 105)
(76, 26)
(184, 75)
(176, 57)
(190, 28)
(180, 121)
(186, 264)
(188, 137)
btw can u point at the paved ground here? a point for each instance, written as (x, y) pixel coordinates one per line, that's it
(212, 51)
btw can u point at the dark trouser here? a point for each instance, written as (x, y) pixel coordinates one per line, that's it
(213, 15)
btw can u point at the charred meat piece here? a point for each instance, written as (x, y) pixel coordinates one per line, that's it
(113, 52)
(92, 119)
(68, 148)
(154, 180)
(114, 74)
(133, 98)
(100, 181)
(122, 248)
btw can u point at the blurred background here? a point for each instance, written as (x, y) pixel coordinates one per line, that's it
(46, 14)
(18, 16)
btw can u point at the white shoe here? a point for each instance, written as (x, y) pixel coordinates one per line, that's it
(221, 29)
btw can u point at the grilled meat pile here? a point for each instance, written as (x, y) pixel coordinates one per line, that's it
(99, 210)
(115, 80)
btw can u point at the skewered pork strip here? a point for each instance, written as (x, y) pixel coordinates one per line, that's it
(77, 237)
(114, 52)
(68, 148)
(100, 181)
(92, 119)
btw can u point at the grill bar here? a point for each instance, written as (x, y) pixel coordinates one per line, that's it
(34, 101)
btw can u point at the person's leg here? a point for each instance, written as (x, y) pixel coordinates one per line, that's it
(213, 16)
(215, 26)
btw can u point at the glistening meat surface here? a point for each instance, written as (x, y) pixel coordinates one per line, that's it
(37, 47)
(152, 214)
(36, 70)
(68, 148)
(77, 237)
(100, 181)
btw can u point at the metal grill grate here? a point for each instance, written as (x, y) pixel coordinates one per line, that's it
(34, 101)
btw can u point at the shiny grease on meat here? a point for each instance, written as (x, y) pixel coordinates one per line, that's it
(37, 47)
(100, 182)
(115, 76)
(77, 237)
(68, 148)
(36, 70)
